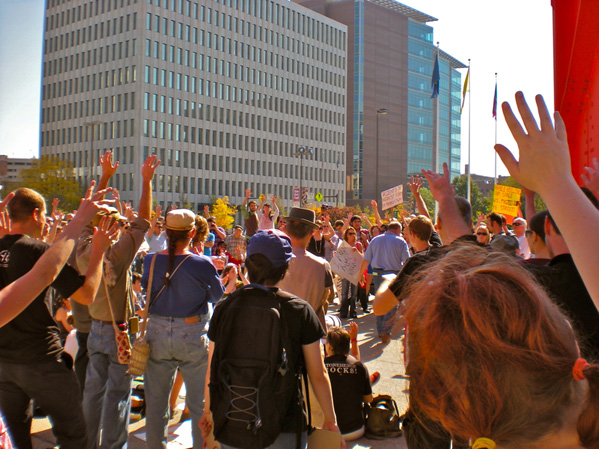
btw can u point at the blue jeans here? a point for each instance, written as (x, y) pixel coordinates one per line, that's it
(174, 344)
(54, 386)
(384, 323)
(283, 441)
(107, 393)
(349, 293)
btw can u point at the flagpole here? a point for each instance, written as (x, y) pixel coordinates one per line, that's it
(495, 107)
(468, 193)
(436, 97)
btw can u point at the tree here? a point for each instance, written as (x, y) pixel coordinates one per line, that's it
(480, 204)
(52, 177)
(224, 212)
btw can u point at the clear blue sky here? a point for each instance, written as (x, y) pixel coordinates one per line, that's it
(511, 37)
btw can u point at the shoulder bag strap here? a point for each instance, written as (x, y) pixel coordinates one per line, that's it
(150, 301)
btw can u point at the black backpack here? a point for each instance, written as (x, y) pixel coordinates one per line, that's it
(252, 380)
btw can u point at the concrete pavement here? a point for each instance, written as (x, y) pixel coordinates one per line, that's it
(387, 360)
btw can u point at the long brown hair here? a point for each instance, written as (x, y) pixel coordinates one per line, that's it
(491, 356)
(173, 237)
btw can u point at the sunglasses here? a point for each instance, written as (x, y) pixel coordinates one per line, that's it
(351, 233)
(517, 224)
(481, 233)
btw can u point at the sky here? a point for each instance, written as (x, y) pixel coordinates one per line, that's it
(513, 38)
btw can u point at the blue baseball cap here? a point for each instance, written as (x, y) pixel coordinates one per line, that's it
(273, 244)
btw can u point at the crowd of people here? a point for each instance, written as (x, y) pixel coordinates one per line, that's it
(500, 317)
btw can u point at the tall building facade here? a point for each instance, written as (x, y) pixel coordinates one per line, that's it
(224, 92)
(391, 118)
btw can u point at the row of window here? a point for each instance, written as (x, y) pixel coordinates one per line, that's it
(95, 32)
(186, 108)
(90, 58)
(200, 36)
(175, 132)
(181, 56)
(76, 134)
(81, 12)
(90, 82)
(267, 10)
(88, 108)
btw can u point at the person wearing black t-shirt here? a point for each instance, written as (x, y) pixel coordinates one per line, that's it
(33, 364)
(350, 384)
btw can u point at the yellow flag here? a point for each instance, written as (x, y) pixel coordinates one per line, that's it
(466, 89)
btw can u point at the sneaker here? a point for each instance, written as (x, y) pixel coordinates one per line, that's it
(374, 378)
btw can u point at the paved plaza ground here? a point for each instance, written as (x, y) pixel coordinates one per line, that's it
(388, 360)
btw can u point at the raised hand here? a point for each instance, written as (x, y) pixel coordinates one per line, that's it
(149, 167)
(108, 168)
(4, 224)
(416, 182)
(439, 184)
(591, 179)
(6, 200)
(105, 234)
(544, 158)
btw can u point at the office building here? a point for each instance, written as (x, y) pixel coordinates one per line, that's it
(391, 118)
(224, 92)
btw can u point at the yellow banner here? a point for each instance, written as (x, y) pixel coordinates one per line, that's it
(506, 200)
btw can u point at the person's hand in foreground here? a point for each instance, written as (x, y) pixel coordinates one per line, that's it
(544, 167)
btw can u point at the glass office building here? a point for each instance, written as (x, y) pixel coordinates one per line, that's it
(391, 118)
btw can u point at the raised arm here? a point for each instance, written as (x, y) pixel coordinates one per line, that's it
(544, 167)
(19, 294)
(248, 192)
(108, 169)
(443, 192)
(377, 215)
(147, 174)
(415, 184)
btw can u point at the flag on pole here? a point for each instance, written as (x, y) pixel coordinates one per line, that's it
(435, 79)
(466, 89)
(495, 103)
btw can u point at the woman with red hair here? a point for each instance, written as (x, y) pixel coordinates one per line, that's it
(493, 363)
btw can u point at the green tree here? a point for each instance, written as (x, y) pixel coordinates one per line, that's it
(480, 204)
(52, 177)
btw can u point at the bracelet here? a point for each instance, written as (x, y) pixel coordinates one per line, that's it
(354, 340)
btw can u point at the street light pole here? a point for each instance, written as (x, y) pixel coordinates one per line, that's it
(382, 111)
(301, 152)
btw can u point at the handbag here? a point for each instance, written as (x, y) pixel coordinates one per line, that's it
(140, 353)
(382, 419)
(121, 335)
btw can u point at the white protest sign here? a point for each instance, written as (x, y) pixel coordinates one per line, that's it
(346, 262)
(392, 197)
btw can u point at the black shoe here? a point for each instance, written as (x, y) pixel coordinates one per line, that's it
(353, 315)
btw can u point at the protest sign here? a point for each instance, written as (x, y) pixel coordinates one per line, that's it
(346, 262)
(392, 197)
(506, 200)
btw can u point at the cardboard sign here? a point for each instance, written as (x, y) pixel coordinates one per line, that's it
(392, 197)
(346, 262)
(506, 200)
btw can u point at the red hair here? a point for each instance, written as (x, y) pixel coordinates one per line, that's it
(491, 356)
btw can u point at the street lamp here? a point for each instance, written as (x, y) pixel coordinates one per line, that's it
(91, 164)
(301, 152)
(382, 111)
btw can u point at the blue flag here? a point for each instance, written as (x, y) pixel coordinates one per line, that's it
(435, 79)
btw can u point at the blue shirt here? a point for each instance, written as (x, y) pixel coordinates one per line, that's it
(387, 251)
(194, 284)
